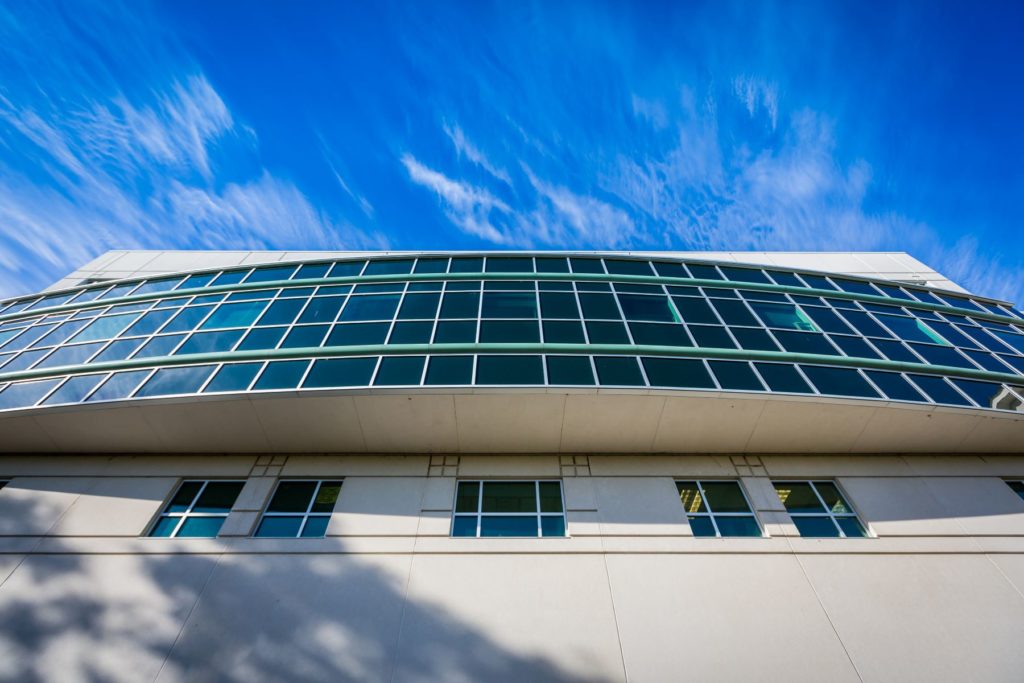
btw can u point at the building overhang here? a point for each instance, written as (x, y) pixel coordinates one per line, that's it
(505, 420)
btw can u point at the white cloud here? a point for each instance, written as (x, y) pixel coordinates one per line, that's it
(472, 209)
(471, 152)
(756, 93)
(123, 174)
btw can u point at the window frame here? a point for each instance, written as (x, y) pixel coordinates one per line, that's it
(712, 514)
(305, 515)
(183, 516)
(826, 511)
(479, 514)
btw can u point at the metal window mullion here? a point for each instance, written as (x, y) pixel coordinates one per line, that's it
(130, 394)
(807, 379)
(622, 317)
(479, 507)
(707, 504)
(828, 511)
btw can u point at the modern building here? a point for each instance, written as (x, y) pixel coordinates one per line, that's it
(511, 466)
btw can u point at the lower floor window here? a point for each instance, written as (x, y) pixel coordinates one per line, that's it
(299, 509)
(197, 509)
(509, 508)
(717, 508)
(819, 510)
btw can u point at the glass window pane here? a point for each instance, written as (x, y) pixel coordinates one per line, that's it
(210, 342)
(184, 496)
(509, 370)
(552, 526)
(736, 376)
(340, 372)
(218, 496)
(230, 277)
(704, 271)
(69, 355)
(733, 312)
(559, 305)
(316, 527)
(187, 319)
(282, 312)
(783, 378)
(233, 377)
(725, 496)
(586, 265)
(283, 374)
(389, 267)
(509, 496)
(563, 332)
(431, 265)
(312, 271)
(983, 393)
(647, 308)
(467, 265)
(939, 390)
(105, 328)
(894, 386)
(694, 310)
(854, 347)
(240, 314)
(346, 268)
(677, 372)
(200, 527)
(326, 496)
(74, 390)
(164, 527)
(865, 325)
(550, 496)
(419, 306)
(599, 306)
(358, 334)
(754, 340)
(659, 334)
(279, 527)
(167, 381)
(805, 342)
(738, 526)
(689, 495)
(464, 526)
(852, 527)
(370, 307)
(400, 370)
(816, 527)
(270, 274)
(467, 496)
(455, 332)
(833, 499)
(509, 264)
(450, 370)
(163, 346)
(261, 338)
(570, 370)
(292, 496)
(508, 526)
(607, 333)
(744, 274)
(411, 333)
(712, 337)
(460, 305)
(798, 497)
(322, 309)
(839, 381)
(509, 331)
(618, 371)
(119, 385)
(552, 265)
(701, 526)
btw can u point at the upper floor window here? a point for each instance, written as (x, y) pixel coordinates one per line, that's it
(509, 508)
(1017, 486)
(299, 509)
(197, 509)
(819, 510)
(717, 508)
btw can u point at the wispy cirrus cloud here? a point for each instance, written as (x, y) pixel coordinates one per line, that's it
(127, 174)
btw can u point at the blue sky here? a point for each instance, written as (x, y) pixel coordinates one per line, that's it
(740, 126)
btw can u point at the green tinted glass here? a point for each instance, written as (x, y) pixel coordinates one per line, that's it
(509, 496)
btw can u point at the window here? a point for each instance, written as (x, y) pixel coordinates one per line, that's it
(819, 510)
(509, 508)
(197, 509)
(299, 509)
(717, 508)
(1017, 486)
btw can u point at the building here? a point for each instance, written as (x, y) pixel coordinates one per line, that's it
(249, 466)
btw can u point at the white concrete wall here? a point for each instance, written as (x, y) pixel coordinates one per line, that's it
(630, 595)
(886, 265)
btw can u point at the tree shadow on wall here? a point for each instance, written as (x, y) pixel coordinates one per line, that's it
(237, 617)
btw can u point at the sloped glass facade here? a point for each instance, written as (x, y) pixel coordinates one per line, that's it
(510, 319)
